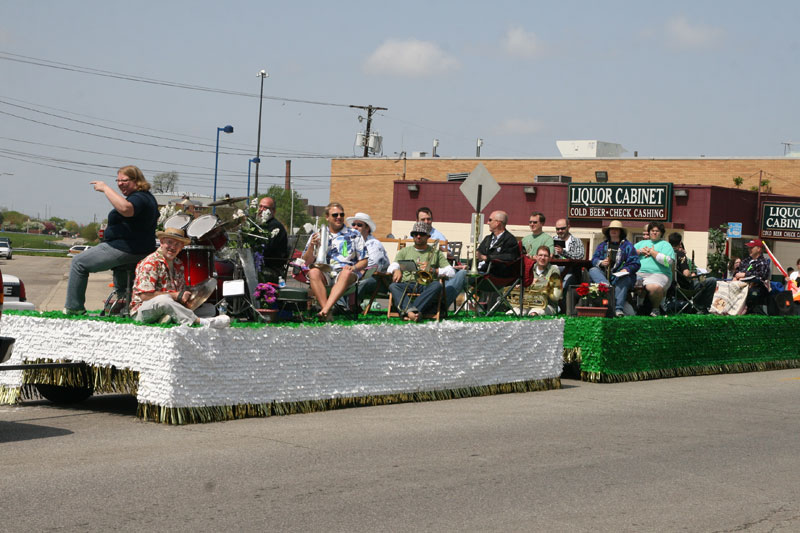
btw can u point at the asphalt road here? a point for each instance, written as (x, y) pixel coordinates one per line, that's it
(712, 453)
(46, 278)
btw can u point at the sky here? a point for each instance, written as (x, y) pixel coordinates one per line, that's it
(666, 79)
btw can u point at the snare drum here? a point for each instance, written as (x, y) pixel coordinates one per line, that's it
(179, 221)
(198, 263)
(208, 230)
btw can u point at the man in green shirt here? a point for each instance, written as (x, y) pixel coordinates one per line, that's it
(537, 237)
(427, 258)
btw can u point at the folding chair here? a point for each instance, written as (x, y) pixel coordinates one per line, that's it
(489, 292)
(679, 300)
(412, 295)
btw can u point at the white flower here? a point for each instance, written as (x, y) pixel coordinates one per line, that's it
(275, 232)
(254, 203)
(239, 214)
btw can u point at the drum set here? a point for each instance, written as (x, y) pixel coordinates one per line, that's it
(209, 257)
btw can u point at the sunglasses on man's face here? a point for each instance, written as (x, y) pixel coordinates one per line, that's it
(337, 215)
(358, 224)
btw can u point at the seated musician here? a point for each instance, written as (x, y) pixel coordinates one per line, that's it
(158, 289)
(755, 270)
(377, 258)
(615, 258)
(686, 276)
(346, 257)
(572, 248)
(657, 258)
(546, 285)
(499, 246)
(429, 259)
(271, 257)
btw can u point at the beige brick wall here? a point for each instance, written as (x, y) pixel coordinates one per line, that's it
(365, 184)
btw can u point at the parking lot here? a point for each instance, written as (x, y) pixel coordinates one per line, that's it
(46, 278)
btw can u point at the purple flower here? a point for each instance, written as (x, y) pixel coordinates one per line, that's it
(266, 292)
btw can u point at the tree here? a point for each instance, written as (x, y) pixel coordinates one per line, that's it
(165, 182)
(283, 205)
(717, 260)
(72, 226)
(738, 180)
(89, 232)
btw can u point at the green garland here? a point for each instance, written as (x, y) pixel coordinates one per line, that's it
(638, 348)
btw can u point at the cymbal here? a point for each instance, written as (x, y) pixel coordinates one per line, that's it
(200, 293)
(227, 201)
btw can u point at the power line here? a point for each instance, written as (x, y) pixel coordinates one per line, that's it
(128, 77)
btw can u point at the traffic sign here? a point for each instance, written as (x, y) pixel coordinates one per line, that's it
(734, 230)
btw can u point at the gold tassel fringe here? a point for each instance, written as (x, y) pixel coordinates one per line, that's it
(194, 415)
(732, 368)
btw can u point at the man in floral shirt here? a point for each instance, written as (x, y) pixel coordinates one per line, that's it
(158, 289)
(347, 258)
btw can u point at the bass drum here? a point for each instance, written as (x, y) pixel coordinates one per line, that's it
(224, 270)
(208, 231)
(198, 263)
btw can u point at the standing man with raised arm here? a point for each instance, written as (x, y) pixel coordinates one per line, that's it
(129, 236)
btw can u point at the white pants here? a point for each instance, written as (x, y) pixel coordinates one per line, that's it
(152, 310)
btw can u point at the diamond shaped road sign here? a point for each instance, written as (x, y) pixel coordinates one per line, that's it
(489, 187)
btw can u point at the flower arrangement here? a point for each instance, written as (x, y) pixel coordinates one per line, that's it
(267, 293)
(592, 290)
(163, 215)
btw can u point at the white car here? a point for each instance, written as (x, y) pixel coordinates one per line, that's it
(14, 294)
(78, 248)
(5, 248)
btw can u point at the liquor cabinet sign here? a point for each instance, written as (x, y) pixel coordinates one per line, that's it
(780, 221)
(627, 201)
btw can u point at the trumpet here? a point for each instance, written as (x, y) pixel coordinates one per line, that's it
(424, 277)
(321, 259)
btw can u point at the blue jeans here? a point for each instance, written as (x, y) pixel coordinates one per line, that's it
(424, 302)
(455, 286)
(622, 285)
(95, 259)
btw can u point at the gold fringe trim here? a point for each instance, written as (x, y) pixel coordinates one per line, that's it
(9, 395)
(730, 368)
(572, 355)
(194, 415)
(102, 379)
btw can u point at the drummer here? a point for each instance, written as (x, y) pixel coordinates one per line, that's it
(158, 289)
(346, 255)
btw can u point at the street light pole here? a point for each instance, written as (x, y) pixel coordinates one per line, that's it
(226, 129)
(261, 74)
(249, 161)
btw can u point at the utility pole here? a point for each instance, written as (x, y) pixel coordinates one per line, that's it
(261, 74)
(370, 110)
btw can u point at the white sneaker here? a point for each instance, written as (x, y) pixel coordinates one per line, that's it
(217, 322)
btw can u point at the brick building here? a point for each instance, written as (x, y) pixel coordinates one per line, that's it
(378, 186)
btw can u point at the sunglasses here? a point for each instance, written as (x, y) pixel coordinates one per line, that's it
(534, 222)
(358, 224)
(337, 215)
(561, 229)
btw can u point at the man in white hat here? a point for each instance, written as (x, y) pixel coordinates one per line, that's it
(158, 289)
(377, 257)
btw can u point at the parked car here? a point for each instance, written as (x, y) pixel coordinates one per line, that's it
(14, 294)
(6, 343)
(78, 248)
(5, 247)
